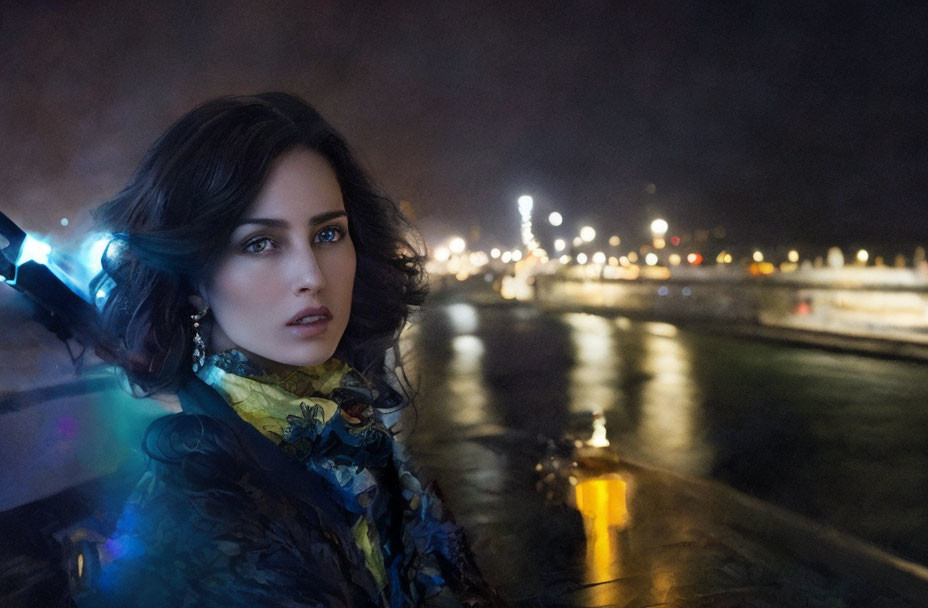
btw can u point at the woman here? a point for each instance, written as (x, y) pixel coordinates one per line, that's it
(258, 274)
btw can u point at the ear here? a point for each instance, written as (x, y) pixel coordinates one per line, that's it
(198, 302)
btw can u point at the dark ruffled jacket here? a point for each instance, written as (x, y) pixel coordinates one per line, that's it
(224, 517)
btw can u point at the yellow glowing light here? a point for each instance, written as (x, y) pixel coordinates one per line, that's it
(457, 245)
(659, 226)
(564, 259)
(495, 253)
(560, 244)
(758, 256)
(674, 259)
(624, 261)
(555, 219)
(461, 275)
(581, 258)
(540, 253)
(613, 261)
(80, 565)
(614, 240)
(633, 257)
(659, 243)
(599, 257)
(603, 504)
(862, 256)
(761, 268)
(650, 259)
(442, 254)
(516, 255)
(506, 257)
(577, 241)
(793, 256)
(728, 258)
(587, 234)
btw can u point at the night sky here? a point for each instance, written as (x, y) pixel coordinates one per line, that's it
(781, 122)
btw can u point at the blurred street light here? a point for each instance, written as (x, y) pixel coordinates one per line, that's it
(587, 234)
(757, 256)
(659, 227)
(793, 256)
(614, 240)
(560, 244)
(457, 245)
(555, 219)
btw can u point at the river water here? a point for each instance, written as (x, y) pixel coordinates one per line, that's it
(837, 437)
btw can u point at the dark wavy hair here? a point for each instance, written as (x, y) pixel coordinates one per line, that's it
(177, 213)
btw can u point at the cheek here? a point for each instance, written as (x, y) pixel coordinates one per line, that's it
(233, 290)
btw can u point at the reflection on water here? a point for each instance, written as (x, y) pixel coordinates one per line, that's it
(603, 503)
(592, 378)
(670, 404)
(463, 318)
(804, 429)
(466, 382)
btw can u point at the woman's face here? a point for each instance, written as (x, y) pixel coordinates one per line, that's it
(281, 293)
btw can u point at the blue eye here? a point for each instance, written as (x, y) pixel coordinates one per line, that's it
(329, 234)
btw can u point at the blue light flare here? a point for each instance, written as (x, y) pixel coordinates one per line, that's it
(34, 250)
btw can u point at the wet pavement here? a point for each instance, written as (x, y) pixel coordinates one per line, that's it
(589, 530)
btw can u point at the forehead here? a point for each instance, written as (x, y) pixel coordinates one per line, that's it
(300, 184)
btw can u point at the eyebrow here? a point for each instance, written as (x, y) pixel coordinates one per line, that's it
(277, 223)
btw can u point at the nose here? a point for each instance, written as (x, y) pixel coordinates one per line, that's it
(307, 274)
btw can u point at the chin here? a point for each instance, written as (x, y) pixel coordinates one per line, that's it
(309, 357)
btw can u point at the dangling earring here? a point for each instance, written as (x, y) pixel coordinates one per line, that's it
(199, 347)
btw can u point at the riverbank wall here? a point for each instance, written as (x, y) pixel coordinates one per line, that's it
(887, 320)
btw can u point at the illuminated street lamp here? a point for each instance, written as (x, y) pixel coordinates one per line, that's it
(526, 204)
(658, 230)
(793, 256)
(560, 244)
(457, 245)
(587, 234)
(581, 258)
(599, 257)
(862, 256)
(650, 259)
(555, 218)
(659, 227)
(758, 256)
(495, 253)
(614, 240)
